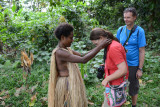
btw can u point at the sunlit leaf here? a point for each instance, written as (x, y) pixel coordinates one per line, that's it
(19, 12)
(62, 19)
(140, 81)
(32, 39)
(33, 100)
(31, 103)
(14, 8)
(127, 103)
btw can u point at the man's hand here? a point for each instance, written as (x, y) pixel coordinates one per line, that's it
(139, 74)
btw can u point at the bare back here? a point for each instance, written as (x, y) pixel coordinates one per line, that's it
(61, 65)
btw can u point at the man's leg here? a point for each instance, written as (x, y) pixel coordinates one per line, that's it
(134, 99)
(134, 84)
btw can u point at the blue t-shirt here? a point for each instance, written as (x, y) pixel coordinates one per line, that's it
(136, 41)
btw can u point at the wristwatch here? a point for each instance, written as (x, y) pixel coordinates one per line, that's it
(140, 69)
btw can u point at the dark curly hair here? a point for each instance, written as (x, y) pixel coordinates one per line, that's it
(63, 29)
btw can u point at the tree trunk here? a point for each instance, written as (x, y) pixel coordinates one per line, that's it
(151, 23)
(10, 3)
(151, 17)
(1, 47)
(17, 5)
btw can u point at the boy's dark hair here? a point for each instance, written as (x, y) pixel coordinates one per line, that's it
(132, 10)
(63, 29)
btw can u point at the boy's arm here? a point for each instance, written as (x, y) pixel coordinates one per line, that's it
(76, 53)
(64, 55)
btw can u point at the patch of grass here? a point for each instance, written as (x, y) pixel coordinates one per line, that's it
(148, 94)
(17, 92)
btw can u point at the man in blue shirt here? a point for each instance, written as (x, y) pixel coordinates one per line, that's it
(135, 48)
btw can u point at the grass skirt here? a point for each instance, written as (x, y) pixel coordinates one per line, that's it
(66, 91)
(62, 95)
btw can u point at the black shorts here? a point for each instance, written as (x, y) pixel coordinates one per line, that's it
(134, 83)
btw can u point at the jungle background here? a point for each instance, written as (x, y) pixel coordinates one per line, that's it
(28, 26)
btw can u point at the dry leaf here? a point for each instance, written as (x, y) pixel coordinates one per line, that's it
(29, 63)
(25, 62)
(33, 88)
(32, 58)
(22, 63)
(23, 53)
(91, 103)
(1, 98)
(33, 100)
(2, 92)
(33, 97)
(44, 100)
(3, 103)
(6, 92)
(7, 96)
(18, 90)
(150, 81)
(146, 105)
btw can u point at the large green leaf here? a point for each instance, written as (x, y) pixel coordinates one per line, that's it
(14, 8)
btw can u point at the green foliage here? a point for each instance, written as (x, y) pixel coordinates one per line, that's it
(95, 93)
(148, 13)
(34, 31)
(153, 40)
(12, 81)
(75, 13)
(152, 62)
(20, 91)
(107, 12)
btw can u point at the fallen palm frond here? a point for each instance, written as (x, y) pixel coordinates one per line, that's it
(26, 62)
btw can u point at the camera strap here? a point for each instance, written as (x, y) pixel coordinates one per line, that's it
(105, 54)
(132, 30)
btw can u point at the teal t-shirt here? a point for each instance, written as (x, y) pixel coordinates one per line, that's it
(136, 40)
